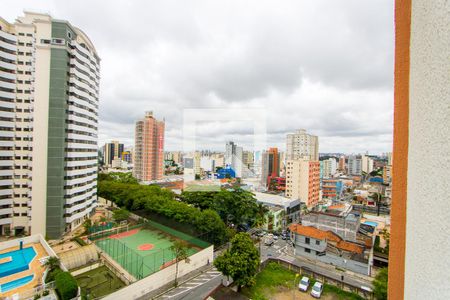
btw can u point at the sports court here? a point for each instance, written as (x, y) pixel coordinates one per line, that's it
(143, 251)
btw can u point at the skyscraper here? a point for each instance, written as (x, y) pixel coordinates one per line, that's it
(111, 151)
(300, 145)
(49, 86)
(149, 148)
(270, 166)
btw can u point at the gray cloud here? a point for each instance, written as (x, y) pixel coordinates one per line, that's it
(326, 66)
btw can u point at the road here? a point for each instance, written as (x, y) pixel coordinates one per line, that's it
(196, 288)
(201, 286)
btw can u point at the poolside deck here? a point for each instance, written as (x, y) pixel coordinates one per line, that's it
(35, 268)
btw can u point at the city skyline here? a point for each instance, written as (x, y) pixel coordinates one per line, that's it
(339, 88)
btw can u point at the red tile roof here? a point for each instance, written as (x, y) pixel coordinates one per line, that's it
(318, 234)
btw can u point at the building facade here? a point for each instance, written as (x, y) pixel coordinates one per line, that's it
(330, 248)
(149, 149)
(270, 166)
(234, 157)
(49, 88)
(112, 151)
(301, 144)
(367, 164)
(303, 181)
(355, 165)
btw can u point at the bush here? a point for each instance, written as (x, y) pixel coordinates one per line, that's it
(66, 286)
(51, 275)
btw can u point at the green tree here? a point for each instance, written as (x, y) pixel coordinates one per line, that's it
(66, 286)
(52, 262)
(380, 284)
(241, 261)
(261, 215)
(180, 250)
(378, 198)
(87, 225)
(120, 215)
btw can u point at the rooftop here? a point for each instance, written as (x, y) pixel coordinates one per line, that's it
(318, 234)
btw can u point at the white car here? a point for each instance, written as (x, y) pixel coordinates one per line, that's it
(317, 289)
(304, 284)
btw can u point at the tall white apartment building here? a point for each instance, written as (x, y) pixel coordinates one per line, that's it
(301, 144)
(329, 167)
(49, 87)
(367, 164)
(355, 165)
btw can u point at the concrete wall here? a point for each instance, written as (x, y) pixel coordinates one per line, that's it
(164, 276)
(427, 210)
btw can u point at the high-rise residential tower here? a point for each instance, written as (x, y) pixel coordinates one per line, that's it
(303, 181)
(355, 165)
(112, 151)
(149, 148)
(270, 166)
(300, 145)
(49, 87)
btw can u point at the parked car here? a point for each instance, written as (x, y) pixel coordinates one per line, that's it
(303, 284)
(317, 289)
(275, 237)
(268, 241)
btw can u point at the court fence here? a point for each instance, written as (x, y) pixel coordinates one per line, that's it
(134, 262)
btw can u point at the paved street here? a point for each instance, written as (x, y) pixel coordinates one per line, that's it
(196, 288)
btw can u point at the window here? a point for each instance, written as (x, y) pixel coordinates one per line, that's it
(317, 242)
(307, 250)
(307, 240)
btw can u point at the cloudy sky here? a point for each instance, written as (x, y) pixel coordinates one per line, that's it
(325, 66)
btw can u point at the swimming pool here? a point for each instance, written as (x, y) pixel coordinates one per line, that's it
(15, 283)
(20, 260)
(371, 223)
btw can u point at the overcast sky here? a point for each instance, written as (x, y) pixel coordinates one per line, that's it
(325, 66)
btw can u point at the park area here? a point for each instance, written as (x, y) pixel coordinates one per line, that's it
(98, 282)
(275, 282)
(144, 250)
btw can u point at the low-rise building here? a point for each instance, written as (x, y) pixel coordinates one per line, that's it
(330, 248)
(291, 207)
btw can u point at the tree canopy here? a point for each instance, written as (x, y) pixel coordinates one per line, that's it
(241, 261)
(234, 206)
(153, 199)
(380, 284)
(120, 215)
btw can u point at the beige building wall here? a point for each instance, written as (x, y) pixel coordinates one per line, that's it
(301, 144)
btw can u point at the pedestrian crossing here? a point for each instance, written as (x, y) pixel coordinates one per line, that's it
(191, 284)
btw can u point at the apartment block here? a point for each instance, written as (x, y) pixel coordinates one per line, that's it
(49, 87)
(301, 144)
(111, 151)
(355, 165)
(303, 181)
(270, 166)
(149, 148)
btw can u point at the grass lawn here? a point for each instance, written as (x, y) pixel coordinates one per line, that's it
(275, 279)
(98, 282)
(269, 281)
